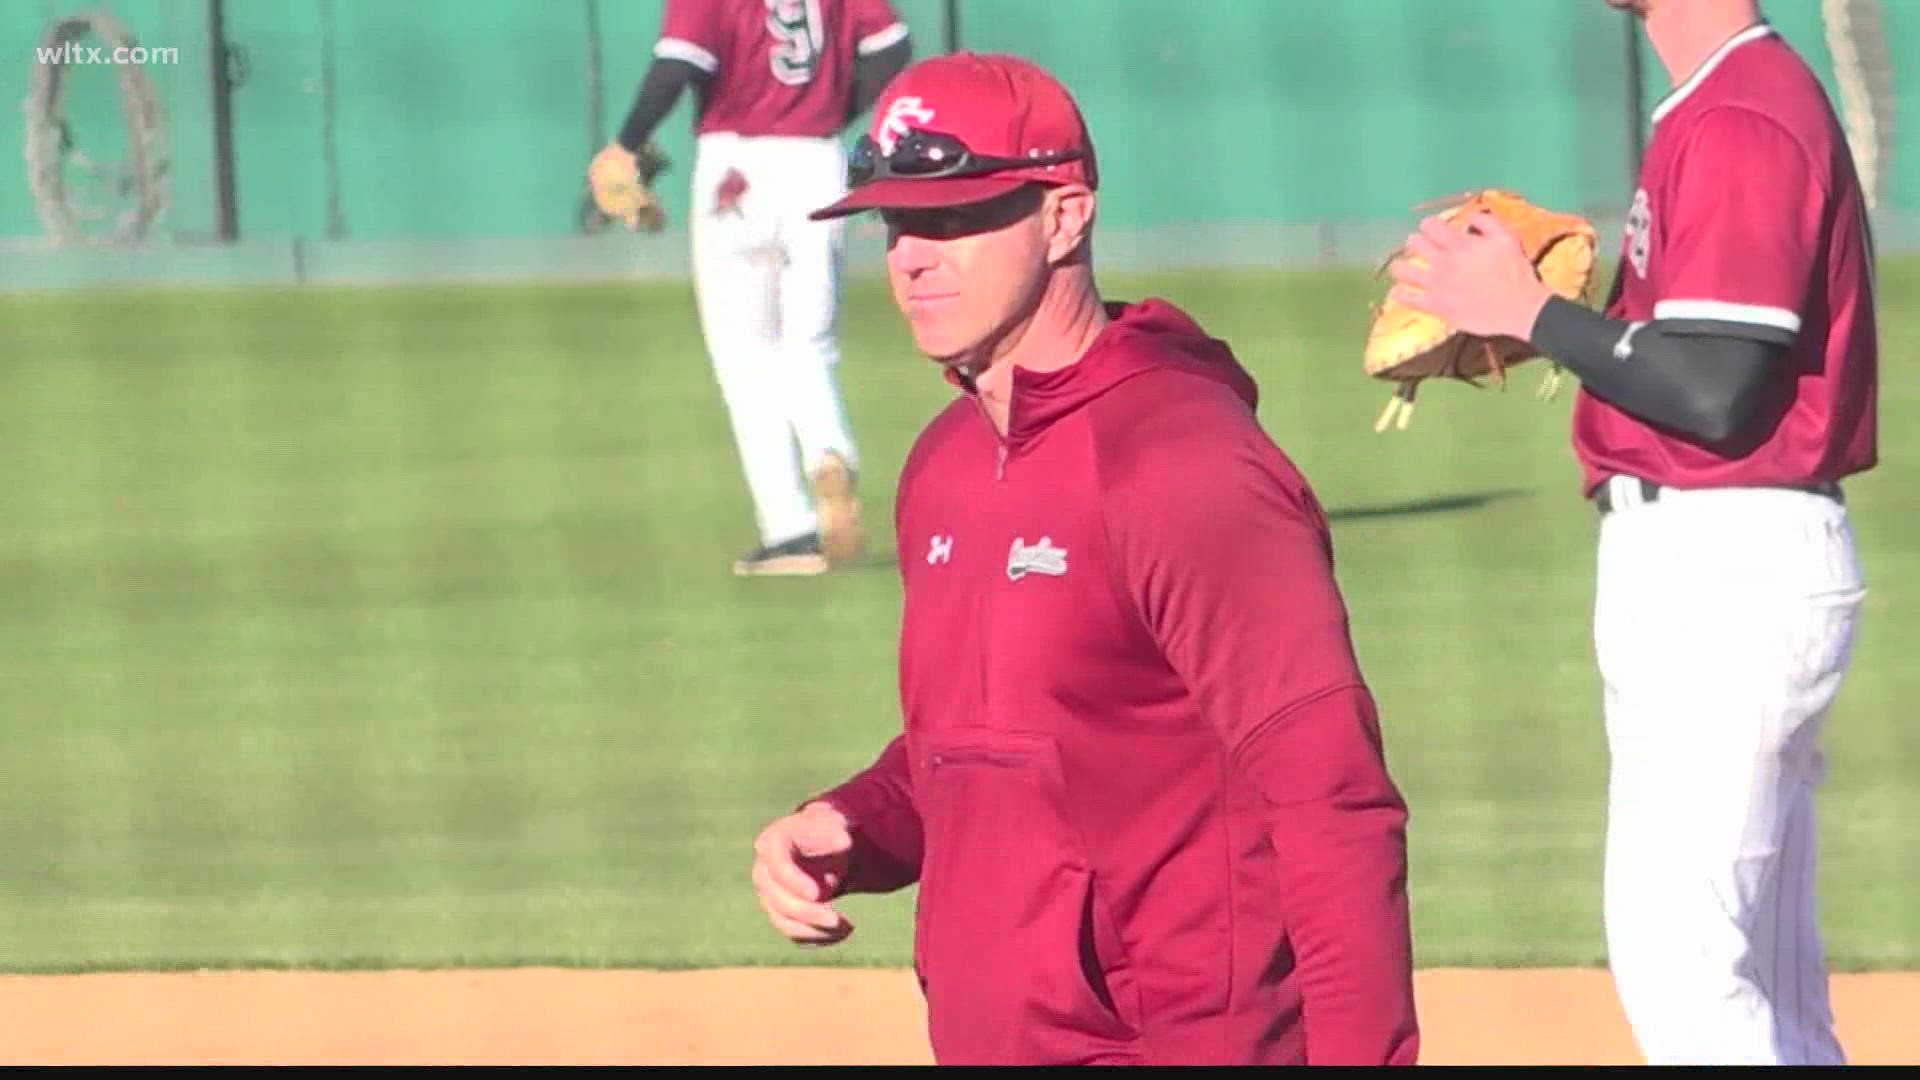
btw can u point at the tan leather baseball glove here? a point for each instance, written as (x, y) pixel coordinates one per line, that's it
(1408, 346)
(622, 186)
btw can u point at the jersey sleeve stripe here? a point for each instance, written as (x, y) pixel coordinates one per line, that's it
(679, 49)
(1746, 331)
(874, 42)
(1721, 311)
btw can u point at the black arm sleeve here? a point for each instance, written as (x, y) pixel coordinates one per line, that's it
(872, 73)
(1715, 383)
(658, 93)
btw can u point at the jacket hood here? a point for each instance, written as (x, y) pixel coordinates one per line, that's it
(1149, 335)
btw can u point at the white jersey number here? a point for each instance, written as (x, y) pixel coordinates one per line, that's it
(799, 33)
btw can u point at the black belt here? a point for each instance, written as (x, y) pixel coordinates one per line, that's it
(1650, 492)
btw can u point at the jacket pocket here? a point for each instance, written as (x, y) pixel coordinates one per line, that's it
(1014, 944)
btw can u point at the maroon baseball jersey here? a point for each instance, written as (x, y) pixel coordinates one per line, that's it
(1749, 219)
(779, 67)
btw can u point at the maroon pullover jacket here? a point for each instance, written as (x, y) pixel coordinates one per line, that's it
(1141, 785)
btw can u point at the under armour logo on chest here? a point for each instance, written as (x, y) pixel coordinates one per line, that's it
(939, 550)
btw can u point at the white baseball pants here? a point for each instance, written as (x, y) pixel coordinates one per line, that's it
(767, 282)
(1724, 624)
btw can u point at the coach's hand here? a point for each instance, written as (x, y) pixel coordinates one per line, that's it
(799, 864)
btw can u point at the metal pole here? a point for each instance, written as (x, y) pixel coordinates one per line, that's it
(329, 128)
(596, 87)
(950, 30)
(587, 216)
(227, 208)
(1636, 101)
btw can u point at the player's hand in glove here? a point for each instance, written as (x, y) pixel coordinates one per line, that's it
(1477, 279)
(799, 865)
(622, 186)
(1467, 287)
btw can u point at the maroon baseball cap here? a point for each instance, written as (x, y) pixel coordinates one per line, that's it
(996, 106)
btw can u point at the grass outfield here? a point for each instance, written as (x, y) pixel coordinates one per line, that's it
(393, 627)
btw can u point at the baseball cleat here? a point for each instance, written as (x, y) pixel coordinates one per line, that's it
(841, 533)
(800, 557)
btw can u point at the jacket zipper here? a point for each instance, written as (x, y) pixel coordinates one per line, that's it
(999, 440)
(984, 598)
(1000, 465)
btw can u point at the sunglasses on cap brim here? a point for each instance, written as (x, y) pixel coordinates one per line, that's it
(933, 155)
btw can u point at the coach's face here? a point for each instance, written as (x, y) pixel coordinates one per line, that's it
(966, 277)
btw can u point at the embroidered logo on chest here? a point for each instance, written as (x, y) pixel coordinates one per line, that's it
(1037, 558)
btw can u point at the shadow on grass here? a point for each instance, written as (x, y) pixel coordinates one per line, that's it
(1439, 504)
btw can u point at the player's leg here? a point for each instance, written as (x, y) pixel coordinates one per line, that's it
(1789, 955)
(1723, 631)
(1821, 617)
(736, 278)
(810, 309)
(810, 289)
(1709, 903)
(1638, 934)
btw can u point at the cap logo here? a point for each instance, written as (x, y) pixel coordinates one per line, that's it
(894, 125)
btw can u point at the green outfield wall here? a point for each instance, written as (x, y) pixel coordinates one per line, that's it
(447, 120)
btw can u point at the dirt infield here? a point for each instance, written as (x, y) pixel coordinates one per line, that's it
(733, 1016)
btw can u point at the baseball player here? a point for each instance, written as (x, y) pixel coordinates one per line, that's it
(1727, 390)
(776, 82)
(1140, 784)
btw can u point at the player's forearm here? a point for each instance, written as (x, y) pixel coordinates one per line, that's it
(1684, 376)
(1339, 828)
(878, 805)
(873, 71)
(658, 93)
